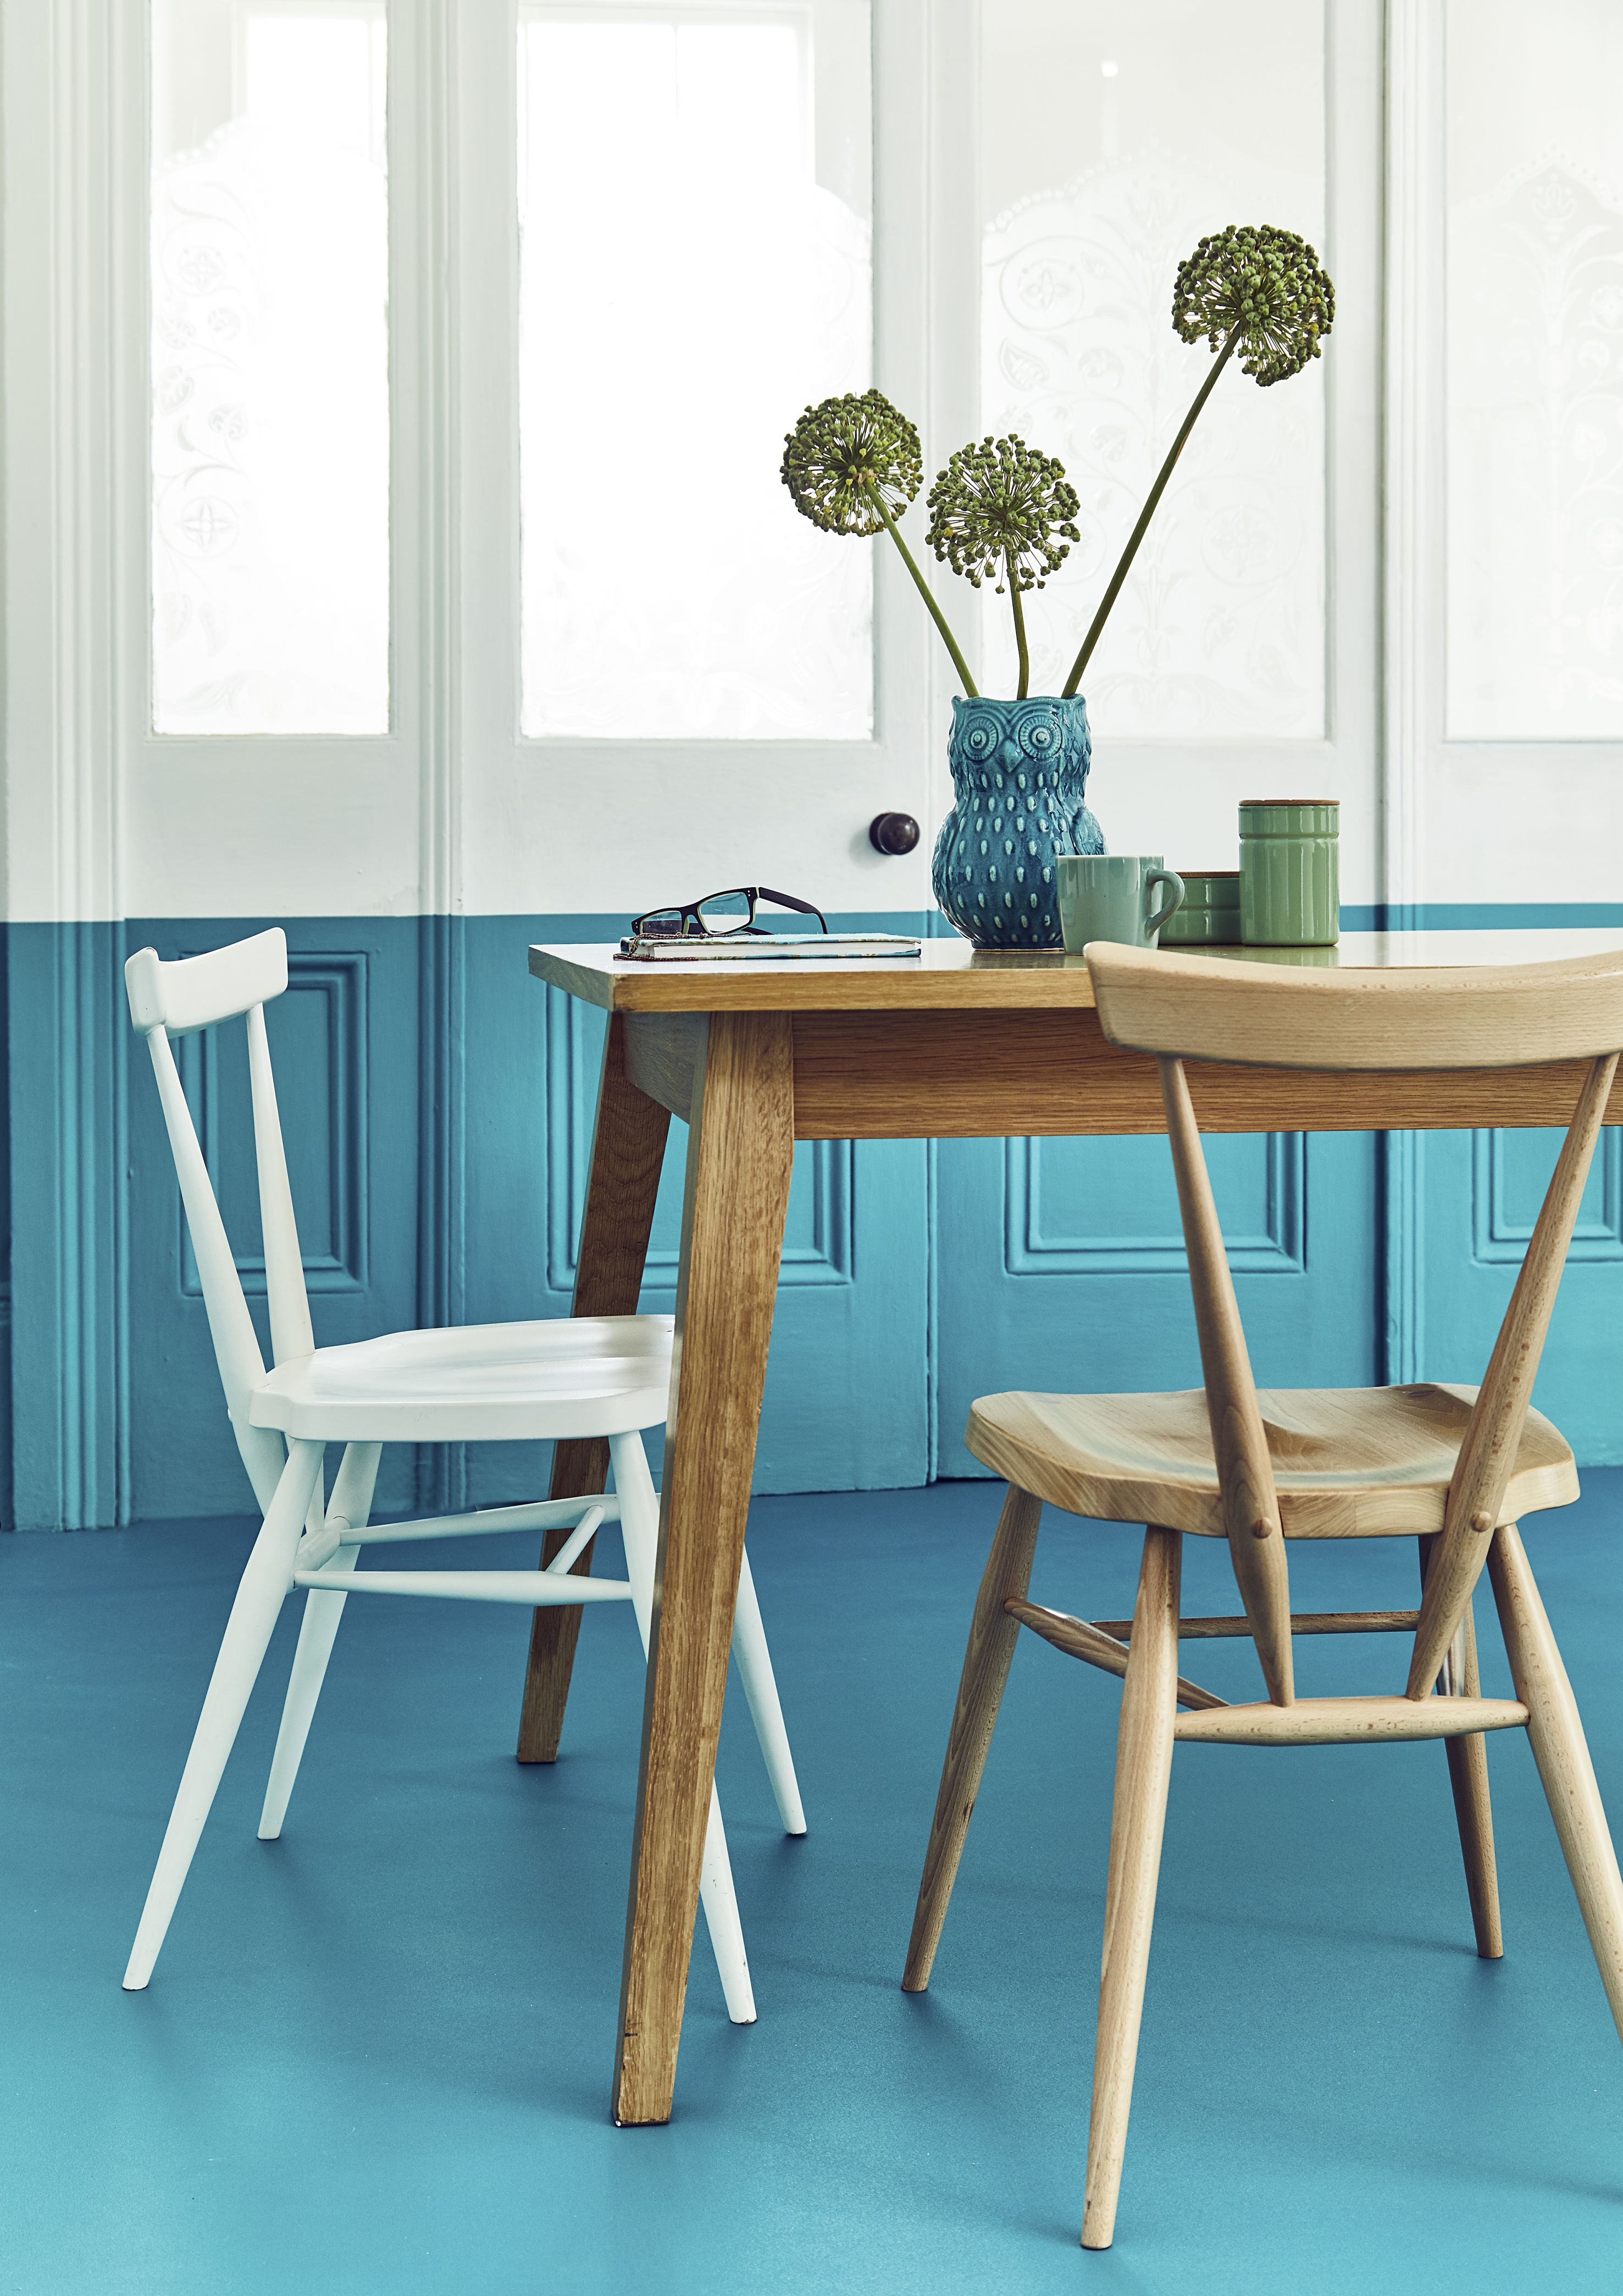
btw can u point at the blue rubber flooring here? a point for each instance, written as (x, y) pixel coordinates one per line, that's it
(375, 2055)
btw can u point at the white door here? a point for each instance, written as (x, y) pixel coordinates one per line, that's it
(690, 222)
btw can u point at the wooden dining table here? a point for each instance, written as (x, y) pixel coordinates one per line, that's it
(956, 1043)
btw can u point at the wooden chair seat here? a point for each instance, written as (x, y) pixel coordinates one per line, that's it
(1349, 1462)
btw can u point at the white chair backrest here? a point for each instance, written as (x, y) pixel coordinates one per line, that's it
(171, 999)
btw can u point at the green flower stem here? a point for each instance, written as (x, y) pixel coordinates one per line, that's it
(935, 615)
(1019, 633)
(1125, 563)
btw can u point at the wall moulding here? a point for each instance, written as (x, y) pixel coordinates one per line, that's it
(1498, 1237)
(1031, 1247)
(819, 1247)
(213, 1071)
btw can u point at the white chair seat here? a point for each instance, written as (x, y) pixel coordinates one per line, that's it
(477, 1382)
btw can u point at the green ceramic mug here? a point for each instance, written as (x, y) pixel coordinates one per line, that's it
(1108, 897)
(1210, 914)
(1290, 875)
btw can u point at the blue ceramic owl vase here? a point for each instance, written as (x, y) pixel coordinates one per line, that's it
(1020, 774)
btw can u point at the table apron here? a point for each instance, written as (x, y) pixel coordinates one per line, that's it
(908, 1076)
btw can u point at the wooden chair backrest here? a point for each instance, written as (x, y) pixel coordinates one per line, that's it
(170, 999)
(1264, 1015)
(1347, 1017)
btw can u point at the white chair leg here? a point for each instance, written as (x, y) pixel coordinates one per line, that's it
(349, 1509)
(323, 1609)
(761, 1694)
(259, 1597)
(719, 1899)
(640, 1529)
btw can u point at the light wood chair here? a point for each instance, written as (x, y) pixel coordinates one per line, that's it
(1454, 1466)
(562, 1379)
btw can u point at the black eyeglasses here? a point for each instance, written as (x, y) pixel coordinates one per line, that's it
(731, 912)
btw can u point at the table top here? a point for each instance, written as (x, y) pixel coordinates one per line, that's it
(951, 975)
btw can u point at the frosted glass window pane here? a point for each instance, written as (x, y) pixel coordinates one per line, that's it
(270, 369)
(695, 227)
(1534, 392)
(1114, 133)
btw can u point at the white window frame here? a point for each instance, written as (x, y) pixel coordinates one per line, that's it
(1470, 821)
(451, 808)
(540, 823)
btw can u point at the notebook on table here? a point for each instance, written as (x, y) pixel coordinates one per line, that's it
(760, 948)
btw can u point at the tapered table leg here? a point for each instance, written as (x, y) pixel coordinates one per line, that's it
(627, 1151)
(741, 1148)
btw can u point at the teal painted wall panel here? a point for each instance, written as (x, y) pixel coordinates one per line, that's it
(438, 1107)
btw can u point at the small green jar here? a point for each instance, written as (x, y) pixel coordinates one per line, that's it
(1289, 872)
(1210, 914)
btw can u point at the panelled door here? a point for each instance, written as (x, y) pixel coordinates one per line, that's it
(672, 683)
(1240, 658)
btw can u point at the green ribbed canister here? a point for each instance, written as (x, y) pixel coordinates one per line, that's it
(1208, 915)
(1289, 872)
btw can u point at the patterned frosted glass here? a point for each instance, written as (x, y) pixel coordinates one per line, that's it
(1114, 133)
(270, 369)
(1535, 391)
(694, 210)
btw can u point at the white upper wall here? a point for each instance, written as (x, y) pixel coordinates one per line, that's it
(452, 810)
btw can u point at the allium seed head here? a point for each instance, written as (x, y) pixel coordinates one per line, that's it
(1267, 283)
(845, 451)
(994, 513)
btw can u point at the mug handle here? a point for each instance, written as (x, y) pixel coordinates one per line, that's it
(1163, 877)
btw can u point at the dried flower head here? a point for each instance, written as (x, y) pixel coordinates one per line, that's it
(843, 453)
(1264, 282)
(994, 513)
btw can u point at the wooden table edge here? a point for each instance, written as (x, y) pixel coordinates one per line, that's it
(731, 985)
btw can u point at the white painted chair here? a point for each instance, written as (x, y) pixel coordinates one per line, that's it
(607, 1376)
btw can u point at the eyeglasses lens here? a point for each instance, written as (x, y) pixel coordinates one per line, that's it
(724, 912)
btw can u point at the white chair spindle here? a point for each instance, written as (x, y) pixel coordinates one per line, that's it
(290, 1305)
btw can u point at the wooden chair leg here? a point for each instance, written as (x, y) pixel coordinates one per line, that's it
(1557, 1738)
(1144, 1770)
(993, 1635)
(1468, 1778)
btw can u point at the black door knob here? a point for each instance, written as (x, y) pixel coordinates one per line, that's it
(893, 832)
